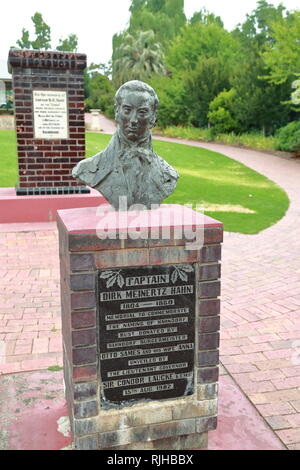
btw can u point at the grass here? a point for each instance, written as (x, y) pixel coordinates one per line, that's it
(55, 368)
(244, 200)
(254, 140)
(8, 159)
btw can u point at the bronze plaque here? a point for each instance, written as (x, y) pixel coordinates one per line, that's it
(147, 333)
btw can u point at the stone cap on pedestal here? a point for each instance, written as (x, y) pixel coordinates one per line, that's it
(102, 228)
(45, 59)
(86, 220)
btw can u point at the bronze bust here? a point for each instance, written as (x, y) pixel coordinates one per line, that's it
(129, 166)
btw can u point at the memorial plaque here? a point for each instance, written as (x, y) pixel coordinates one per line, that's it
(50, 114)
(147, 333)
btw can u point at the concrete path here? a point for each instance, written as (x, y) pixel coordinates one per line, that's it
(107, 125)
(260, 328)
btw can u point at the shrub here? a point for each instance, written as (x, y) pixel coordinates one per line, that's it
(254, 140)
(288, 137)
(189, 133)
(222, 112)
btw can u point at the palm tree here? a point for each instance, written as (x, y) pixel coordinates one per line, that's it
(138, 58)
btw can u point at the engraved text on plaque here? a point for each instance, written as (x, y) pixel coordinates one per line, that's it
(147, 332)
(50, 114)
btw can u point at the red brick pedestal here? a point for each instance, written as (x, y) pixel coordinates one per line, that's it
(176, 423)
(46, 154)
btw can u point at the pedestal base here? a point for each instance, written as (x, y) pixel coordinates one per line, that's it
(41, 208)
(133, 333)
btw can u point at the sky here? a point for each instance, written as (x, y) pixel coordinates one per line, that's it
(96, 21)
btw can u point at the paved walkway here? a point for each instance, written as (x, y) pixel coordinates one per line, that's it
(260, 328)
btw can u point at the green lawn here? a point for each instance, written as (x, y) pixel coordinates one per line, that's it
(245, 201)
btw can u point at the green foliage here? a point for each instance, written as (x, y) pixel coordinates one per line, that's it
(42, 39)
(288, 137)
(68, 44)
(200, 60)
(259, 59)
(54, 369)
(186, 132)
(163, 20)
(260, 103)
(172, 105)
(139, 57)
(99, 92)
(222, 112)
(42, 33)
(295, 96)
(197, 42)
(163, 17)
(282, 56)
(204, 16)
(253, 140)
(136, 6)
(24, 42)
(257, 25)
(202, 84)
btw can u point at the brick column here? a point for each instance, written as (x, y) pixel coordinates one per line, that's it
(175, 423)
(45, 163)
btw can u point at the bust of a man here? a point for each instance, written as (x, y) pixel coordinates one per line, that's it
(129, 166)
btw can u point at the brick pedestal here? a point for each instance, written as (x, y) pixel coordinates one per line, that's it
(176, 423)
(45, 161)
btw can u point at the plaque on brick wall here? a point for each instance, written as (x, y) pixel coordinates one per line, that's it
(147, 333)
(50, 114)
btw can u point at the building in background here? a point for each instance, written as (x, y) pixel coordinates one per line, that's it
(6, 94)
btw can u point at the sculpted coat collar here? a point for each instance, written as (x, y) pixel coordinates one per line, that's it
(105, 173)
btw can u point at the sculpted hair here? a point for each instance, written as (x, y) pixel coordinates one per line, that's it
(136, 85)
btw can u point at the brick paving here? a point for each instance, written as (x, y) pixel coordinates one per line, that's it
(30, 324)
(260, 326)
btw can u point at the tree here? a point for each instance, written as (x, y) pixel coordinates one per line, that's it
(173, 107)
(68, 44)
(99, 91)
(201, 60)
(204, 16)
(260, 103)
(222, 112)
(42, 39)
(136, 5)
(164, 17)
(257, 24)
(282, 55)
(200, 41)
(139, 57)
(42, 33)
(24, 42)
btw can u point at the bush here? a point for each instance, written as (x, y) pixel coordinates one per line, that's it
(254, 140)
(99, 94)
(222, 110)
(288, 137)
(189, 133)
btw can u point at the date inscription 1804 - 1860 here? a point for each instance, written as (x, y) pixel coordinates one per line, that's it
(147, 333)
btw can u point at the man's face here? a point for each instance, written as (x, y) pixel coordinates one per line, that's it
(135, 116)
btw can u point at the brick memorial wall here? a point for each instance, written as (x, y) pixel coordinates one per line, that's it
(49, 118)
(140, 322)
